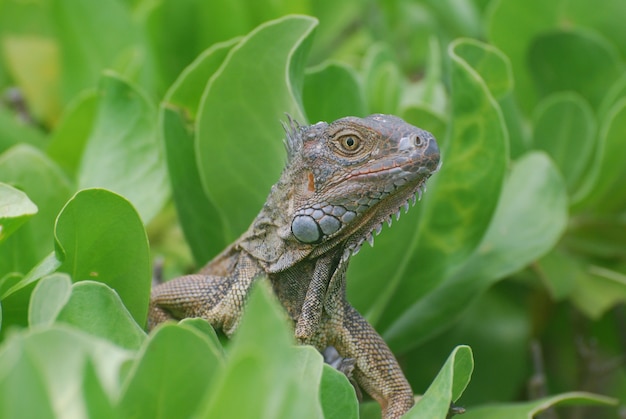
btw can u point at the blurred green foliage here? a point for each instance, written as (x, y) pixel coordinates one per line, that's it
(163, 116)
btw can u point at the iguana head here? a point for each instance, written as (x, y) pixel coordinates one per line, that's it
(342, 181)
(354, 174)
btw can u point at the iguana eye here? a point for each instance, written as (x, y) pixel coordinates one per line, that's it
(350, 143)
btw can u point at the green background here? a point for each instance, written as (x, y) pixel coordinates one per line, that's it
(142, 133)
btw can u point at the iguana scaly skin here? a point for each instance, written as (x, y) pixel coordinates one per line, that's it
(342, 181)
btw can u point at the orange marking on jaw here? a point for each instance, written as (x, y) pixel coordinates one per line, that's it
(311, 182)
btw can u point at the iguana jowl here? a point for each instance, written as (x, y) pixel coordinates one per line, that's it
(342, 181)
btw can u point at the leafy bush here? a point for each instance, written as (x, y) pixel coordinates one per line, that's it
(115, 109)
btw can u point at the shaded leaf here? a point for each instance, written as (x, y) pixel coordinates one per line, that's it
(530, 218)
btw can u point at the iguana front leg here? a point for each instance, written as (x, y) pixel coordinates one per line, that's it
(218, 299)
(376, 369)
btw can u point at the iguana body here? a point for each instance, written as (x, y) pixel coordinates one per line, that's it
(342, 181)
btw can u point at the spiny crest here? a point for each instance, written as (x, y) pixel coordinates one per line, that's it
(293, 139)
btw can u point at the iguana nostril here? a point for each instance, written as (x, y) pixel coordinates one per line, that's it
(418, 141)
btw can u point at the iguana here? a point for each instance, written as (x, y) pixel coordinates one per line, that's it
(342, 181)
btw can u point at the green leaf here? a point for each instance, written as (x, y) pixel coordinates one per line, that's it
(42, 180)
(332, 91)
(123, 152)
(382, 80)
(512, 26)
(45, 267)
(52, 367)
(530, 218)
(559, 58)
(23, 390)
(461, 201)
(447, 386)
(490, 63)
(175, 369)
(528, 410)
(239, 148)
(98, 404)
(102, 238)
(15, 210)
(48, 298)
(264, 368)
(337, 395)
(202, 326)
(427, 119)
(87, 49)
(565, 127)
(177, 117)
(84, 310)
(604, 189)
(598, 289)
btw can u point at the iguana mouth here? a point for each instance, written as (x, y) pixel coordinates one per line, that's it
(354, 247)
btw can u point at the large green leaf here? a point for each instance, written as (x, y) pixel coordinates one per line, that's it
(239, 145)
(43, 370)
(45, 184)
(87, 301)
(276, 379)
(337, 395)
(530, 218)
(15, 210)
(174, 370)
(462, 197)
(177, 116)
(447, 387)
(123, 152)
(100, 237)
